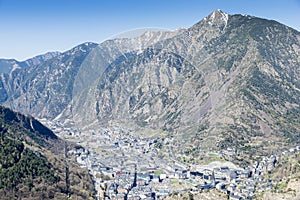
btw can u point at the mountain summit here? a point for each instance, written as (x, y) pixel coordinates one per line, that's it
(216, 17)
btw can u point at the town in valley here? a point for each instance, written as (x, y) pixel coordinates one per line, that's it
(125, 166)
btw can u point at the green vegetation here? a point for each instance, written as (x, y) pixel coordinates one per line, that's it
(20, 127)
(272, 97)
(281, 186)
(21, 165)
(32, 165)
(159, 172)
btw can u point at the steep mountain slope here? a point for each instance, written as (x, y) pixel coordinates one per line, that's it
(3, 92)
(45, 89)
(95, 65)
(33, 163)
(228, 81)
(8, 65)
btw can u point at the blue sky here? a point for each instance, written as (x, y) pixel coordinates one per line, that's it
(32, 27)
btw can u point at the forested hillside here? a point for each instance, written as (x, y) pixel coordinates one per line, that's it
(34, 163)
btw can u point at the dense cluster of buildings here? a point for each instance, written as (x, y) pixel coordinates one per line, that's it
(160, 180)
(124, 166)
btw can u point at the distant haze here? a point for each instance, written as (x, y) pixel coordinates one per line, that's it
(136, 32)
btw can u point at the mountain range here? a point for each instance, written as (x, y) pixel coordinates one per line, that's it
(9, 65)
(229, 81)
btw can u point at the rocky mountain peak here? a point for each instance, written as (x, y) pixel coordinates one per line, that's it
(217, 15)
(217, 18)
(210, 27)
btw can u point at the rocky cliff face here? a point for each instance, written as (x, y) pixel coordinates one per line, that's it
(44, 90)
(10, 67)
(228, 81)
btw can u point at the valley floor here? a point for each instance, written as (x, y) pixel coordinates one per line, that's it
(125, 166)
